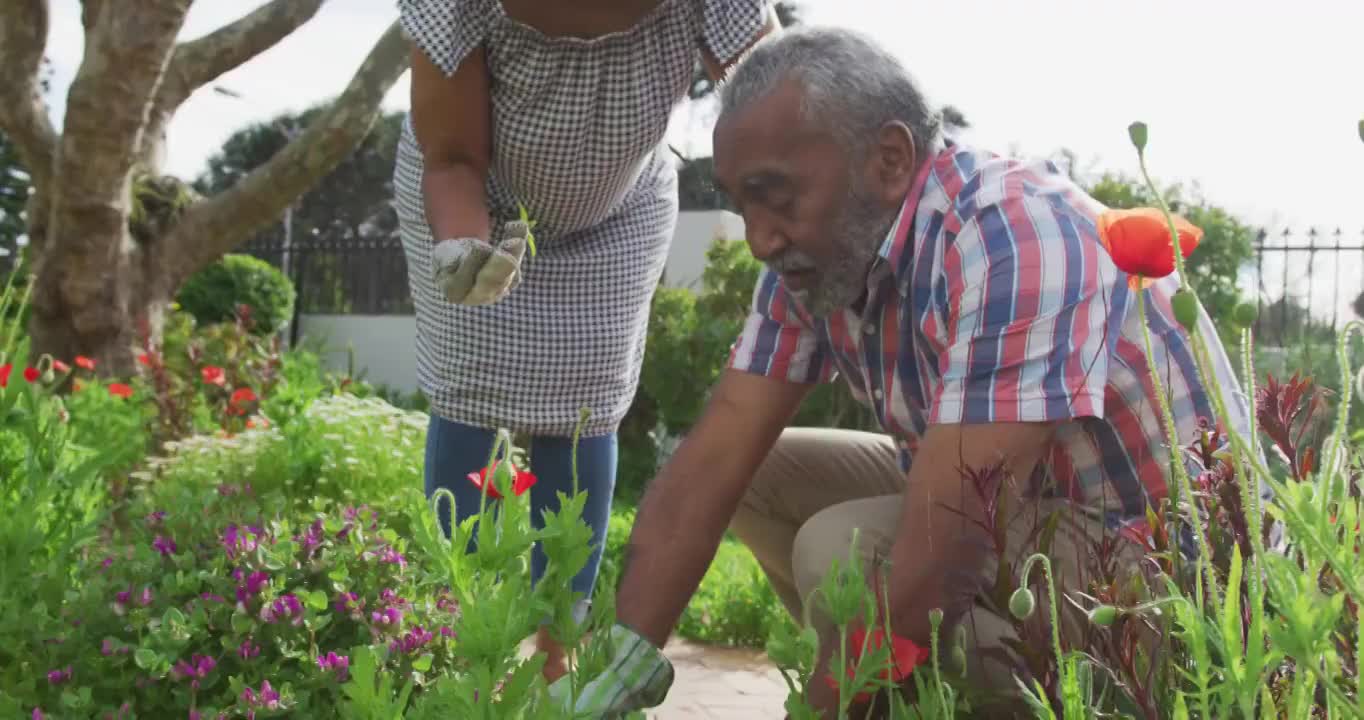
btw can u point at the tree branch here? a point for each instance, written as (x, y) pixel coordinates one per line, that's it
(200, 61)
(216, 225)
(23, 115)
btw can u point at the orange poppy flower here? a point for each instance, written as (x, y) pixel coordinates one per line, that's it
(85, 362)
(1138, 240)
(60, 366)
(213, 375)
(905, 656)
(521, 480)
(120, 390)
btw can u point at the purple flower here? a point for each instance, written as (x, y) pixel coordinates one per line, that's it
(338, 663)
(267, 698)
(122, 597)
(155, 518)
(391, 556)
(239, 541)
(312, 538)
(194, 715)
(248, 649)
(445, 631)
(412, 640)
(59, 676)
(106, 563)
(213, 596)
(285, 607)
(38, 714)
(198, 669)
(145, 598)
(389, 616)
(252, 586)
(164, 545)
(349, 603)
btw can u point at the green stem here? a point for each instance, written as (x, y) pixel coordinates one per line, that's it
(1181, 472)
(1052, 602)
(1169, 220)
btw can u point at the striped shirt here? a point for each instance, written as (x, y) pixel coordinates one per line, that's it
(992, 300)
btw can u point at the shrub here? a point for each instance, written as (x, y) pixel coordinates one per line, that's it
(214, 294)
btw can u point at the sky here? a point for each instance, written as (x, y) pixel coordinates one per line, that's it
(1256, 102)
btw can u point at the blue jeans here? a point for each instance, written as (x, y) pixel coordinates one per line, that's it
(453, 450)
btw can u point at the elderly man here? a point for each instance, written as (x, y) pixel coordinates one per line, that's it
(967, 299)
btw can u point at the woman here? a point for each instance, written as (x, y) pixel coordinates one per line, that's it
(559, 108)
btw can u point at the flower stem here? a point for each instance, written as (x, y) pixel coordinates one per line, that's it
(1180, 470)
(1052, 602)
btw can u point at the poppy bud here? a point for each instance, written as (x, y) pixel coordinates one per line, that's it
(1103, 615)
(935, 616)
(959, 660)
(1245, 315)
(49, 376)
(1021, 603)
(1185, 306)
(1137, 132)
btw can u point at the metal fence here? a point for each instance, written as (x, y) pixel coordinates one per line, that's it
(1305, 282)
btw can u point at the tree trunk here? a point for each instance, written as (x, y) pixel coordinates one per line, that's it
(101, 289)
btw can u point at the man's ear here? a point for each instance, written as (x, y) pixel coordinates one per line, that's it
(892, 162)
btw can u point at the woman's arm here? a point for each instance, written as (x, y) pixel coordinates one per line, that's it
(452, 118)
(716, 70)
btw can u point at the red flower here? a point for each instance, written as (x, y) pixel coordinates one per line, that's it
(32, 374)
(905, 656)
(144, 359)
(521, 480)
(5, 370)
(213, 375)
(60, 366)
(1138, 240)
(120, 390)
(85, 362)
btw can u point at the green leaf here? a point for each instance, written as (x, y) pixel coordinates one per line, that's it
(423, 663)
(146, 658)
(241, 622)
(316, 599)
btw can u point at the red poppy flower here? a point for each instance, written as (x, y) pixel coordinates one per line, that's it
(120, 390)
(1138, 240)
(60, 366)
(144, 359)
(32, 374)
(520, 482)
(5, 370)
(905, 656)
(85, 362)
(213, 375)
(241, 396)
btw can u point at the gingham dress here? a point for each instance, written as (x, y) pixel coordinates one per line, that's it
(578, 128)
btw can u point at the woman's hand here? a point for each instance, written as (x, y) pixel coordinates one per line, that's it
(471, 271)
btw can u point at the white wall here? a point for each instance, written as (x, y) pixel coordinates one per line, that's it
(383, 344)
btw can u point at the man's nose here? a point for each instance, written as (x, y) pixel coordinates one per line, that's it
(765, 240)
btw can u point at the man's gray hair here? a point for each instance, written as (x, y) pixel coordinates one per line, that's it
(852, 86)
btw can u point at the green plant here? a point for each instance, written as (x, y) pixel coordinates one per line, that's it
(216, 293)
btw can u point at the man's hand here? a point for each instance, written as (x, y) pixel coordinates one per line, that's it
(689, 505)
(637, 677)
(939, 553)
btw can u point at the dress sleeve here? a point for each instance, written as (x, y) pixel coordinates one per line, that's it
(728, 27)
(446, 30)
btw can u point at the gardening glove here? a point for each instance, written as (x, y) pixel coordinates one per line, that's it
(638, 676)
(473, 272)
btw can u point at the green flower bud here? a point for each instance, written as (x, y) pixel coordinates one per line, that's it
(1103, 615)
(959, 661)
(935, 617)
(1137, 131)
(49, 376)
(1245, 315)
(1022, 603)
(1185, 306)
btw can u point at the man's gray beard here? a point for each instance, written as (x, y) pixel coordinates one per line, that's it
(861, 229)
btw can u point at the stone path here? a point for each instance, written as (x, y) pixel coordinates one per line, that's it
(721, 684)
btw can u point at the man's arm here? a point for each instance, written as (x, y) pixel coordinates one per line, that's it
(686, 510)
(939, 552)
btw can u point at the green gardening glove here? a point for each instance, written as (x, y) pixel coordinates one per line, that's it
(638, 676)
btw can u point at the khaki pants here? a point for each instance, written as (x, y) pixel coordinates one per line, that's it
(818, 485)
